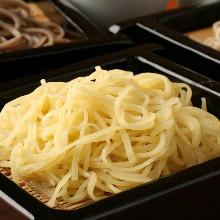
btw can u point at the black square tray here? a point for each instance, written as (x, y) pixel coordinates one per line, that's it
(15, 65)
(168, 28)
(189, 194)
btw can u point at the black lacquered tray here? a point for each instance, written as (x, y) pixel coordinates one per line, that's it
(90, 42)
(168, 29)
(193, 192)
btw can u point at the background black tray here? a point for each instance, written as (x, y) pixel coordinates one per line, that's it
(15, 65)
(167, 28)
(191, 193)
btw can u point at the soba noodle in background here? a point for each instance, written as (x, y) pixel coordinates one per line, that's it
(19, 31)
(102, 134)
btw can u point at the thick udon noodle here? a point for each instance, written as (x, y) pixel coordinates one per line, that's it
(102, 134)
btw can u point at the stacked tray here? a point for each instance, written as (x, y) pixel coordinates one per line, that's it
(86, 41)
(171, 29)
(134, 47)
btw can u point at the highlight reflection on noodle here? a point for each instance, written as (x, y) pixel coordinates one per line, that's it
(102, 134)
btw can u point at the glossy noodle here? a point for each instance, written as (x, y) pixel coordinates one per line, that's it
(104, 133)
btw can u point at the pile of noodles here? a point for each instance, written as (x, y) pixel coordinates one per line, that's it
(104, 133)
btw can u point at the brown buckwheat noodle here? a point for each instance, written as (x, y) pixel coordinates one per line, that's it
(18, 31)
